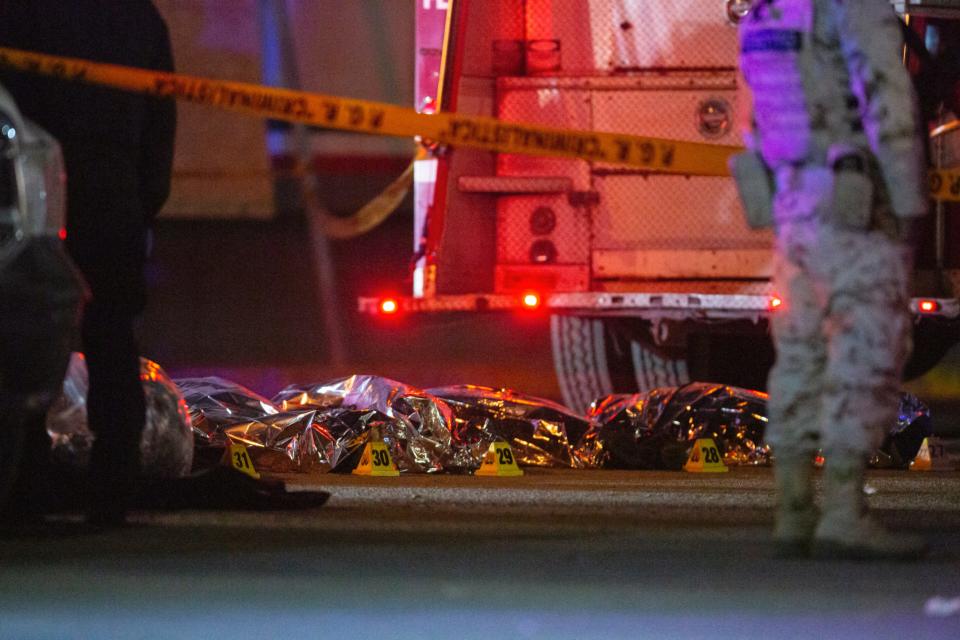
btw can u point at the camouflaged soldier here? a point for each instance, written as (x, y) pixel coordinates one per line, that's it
(836, 165)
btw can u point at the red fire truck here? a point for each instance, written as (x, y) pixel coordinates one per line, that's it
(651, 279)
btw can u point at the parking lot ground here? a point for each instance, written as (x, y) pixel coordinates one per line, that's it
(554, 554)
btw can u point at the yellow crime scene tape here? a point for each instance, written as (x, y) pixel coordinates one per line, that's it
(378, 118)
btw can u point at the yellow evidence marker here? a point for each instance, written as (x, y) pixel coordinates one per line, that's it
(932, 456)
(705, 458)
(376, 461)
(499, 461)
(237, 456)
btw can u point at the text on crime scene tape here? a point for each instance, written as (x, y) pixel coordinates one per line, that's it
(377, 118)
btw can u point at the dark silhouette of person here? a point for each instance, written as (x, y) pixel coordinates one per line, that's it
(118, 153)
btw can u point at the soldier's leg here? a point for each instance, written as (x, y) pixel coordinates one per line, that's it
(794, 405)
(868, 329)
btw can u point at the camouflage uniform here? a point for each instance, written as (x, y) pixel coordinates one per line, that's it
(835, 123)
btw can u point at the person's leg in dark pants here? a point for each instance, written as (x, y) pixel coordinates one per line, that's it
(108, 244)
(115, 410)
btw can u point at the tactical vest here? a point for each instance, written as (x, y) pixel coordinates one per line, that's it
(791, 59)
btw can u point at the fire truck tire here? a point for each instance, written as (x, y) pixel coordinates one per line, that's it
(579, 359)
(653, 369)
(596, 357)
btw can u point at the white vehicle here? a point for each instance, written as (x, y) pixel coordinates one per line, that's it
(651, 279)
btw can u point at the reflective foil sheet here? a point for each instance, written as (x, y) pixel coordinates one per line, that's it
(166, 445)
(323, 427)
(540, 432)
(216, 403)
(655, 429)
(323, 441)
(308, 440)
(280, 441)
(414, 424)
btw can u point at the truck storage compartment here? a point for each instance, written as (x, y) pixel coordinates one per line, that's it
(624, 223)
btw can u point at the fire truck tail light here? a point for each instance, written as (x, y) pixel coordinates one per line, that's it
(928, 306)
(389, 306)
(775, 302)
(531, 300)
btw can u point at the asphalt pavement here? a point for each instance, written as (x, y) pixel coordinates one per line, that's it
(554, 554)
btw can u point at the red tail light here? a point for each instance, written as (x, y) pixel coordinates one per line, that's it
(928, 306)
(389, 306)
(531, 300)
(774, 302)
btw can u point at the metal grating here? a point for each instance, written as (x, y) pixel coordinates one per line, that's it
(621, 36)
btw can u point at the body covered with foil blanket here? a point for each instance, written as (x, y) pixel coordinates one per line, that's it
(305, 429)
(324, 426)
(655, 429)
(540, 432)
(414, 424)
(166, 444)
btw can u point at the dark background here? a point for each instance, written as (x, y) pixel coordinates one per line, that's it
(240, 299)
